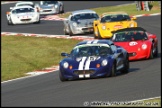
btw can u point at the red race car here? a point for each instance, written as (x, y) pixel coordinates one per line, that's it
(137, 41)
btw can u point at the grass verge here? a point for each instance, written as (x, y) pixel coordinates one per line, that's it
(26, 54)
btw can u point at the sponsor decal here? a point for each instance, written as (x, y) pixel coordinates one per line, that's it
(133, 43)
(118, 26)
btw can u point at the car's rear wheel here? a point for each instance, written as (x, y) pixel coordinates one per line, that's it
(126, 66)
(38, 22)
(113, 70)
(61, 77)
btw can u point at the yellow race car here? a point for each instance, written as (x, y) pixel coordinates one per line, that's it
(112, 21)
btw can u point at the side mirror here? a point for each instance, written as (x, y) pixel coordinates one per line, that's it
(133, 18)
(7, 13)
(11, 8)
(64, 54)
(152, 36)
(95, 22)
(65, 21)
(119, 50)
(37, 9)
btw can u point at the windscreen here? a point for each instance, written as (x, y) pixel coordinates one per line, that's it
(26, 5)
(95, 50)
(114, 18)
(49, 2)
(129, 36)
(84, 16)
(22, 10)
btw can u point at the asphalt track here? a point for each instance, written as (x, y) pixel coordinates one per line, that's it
(142, 81)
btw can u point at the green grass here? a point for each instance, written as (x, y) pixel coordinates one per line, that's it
(26, 54)
(130, 9)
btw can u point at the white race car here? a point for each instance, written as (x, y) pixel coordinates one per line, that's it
(24, 3)
(80, 22)
(23, 15)
(50, 7)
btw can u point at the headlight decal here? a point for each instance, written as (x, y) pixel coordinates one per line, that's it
(74, 24)
(56, 6)
(131, 25)
(104, 62)
(103, 27)
(65, 65)
(144, 46)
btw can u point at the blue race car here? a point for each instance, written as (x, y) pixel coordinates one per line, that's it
(91, 59)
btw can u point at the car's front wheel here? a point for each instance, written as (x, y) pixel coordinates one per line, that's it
(62, 9)
(151, 53)
(95, 37)
(9, 22)
(156, 52)
(38, 22)
(61, 77)
(65, 32)
(99, 35)
(70, 32)
(126, 66)
(113, 70)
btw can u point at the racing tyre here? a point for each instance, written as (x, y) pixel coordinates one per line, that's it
(95, 37)
(9, 22)
(156, 52)
(65, 32)
(99, 35)
(38, 22)
(62, 11)
(126, 66)
(151, 53)
(70, 32)
(113, 70)
(61, 77)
